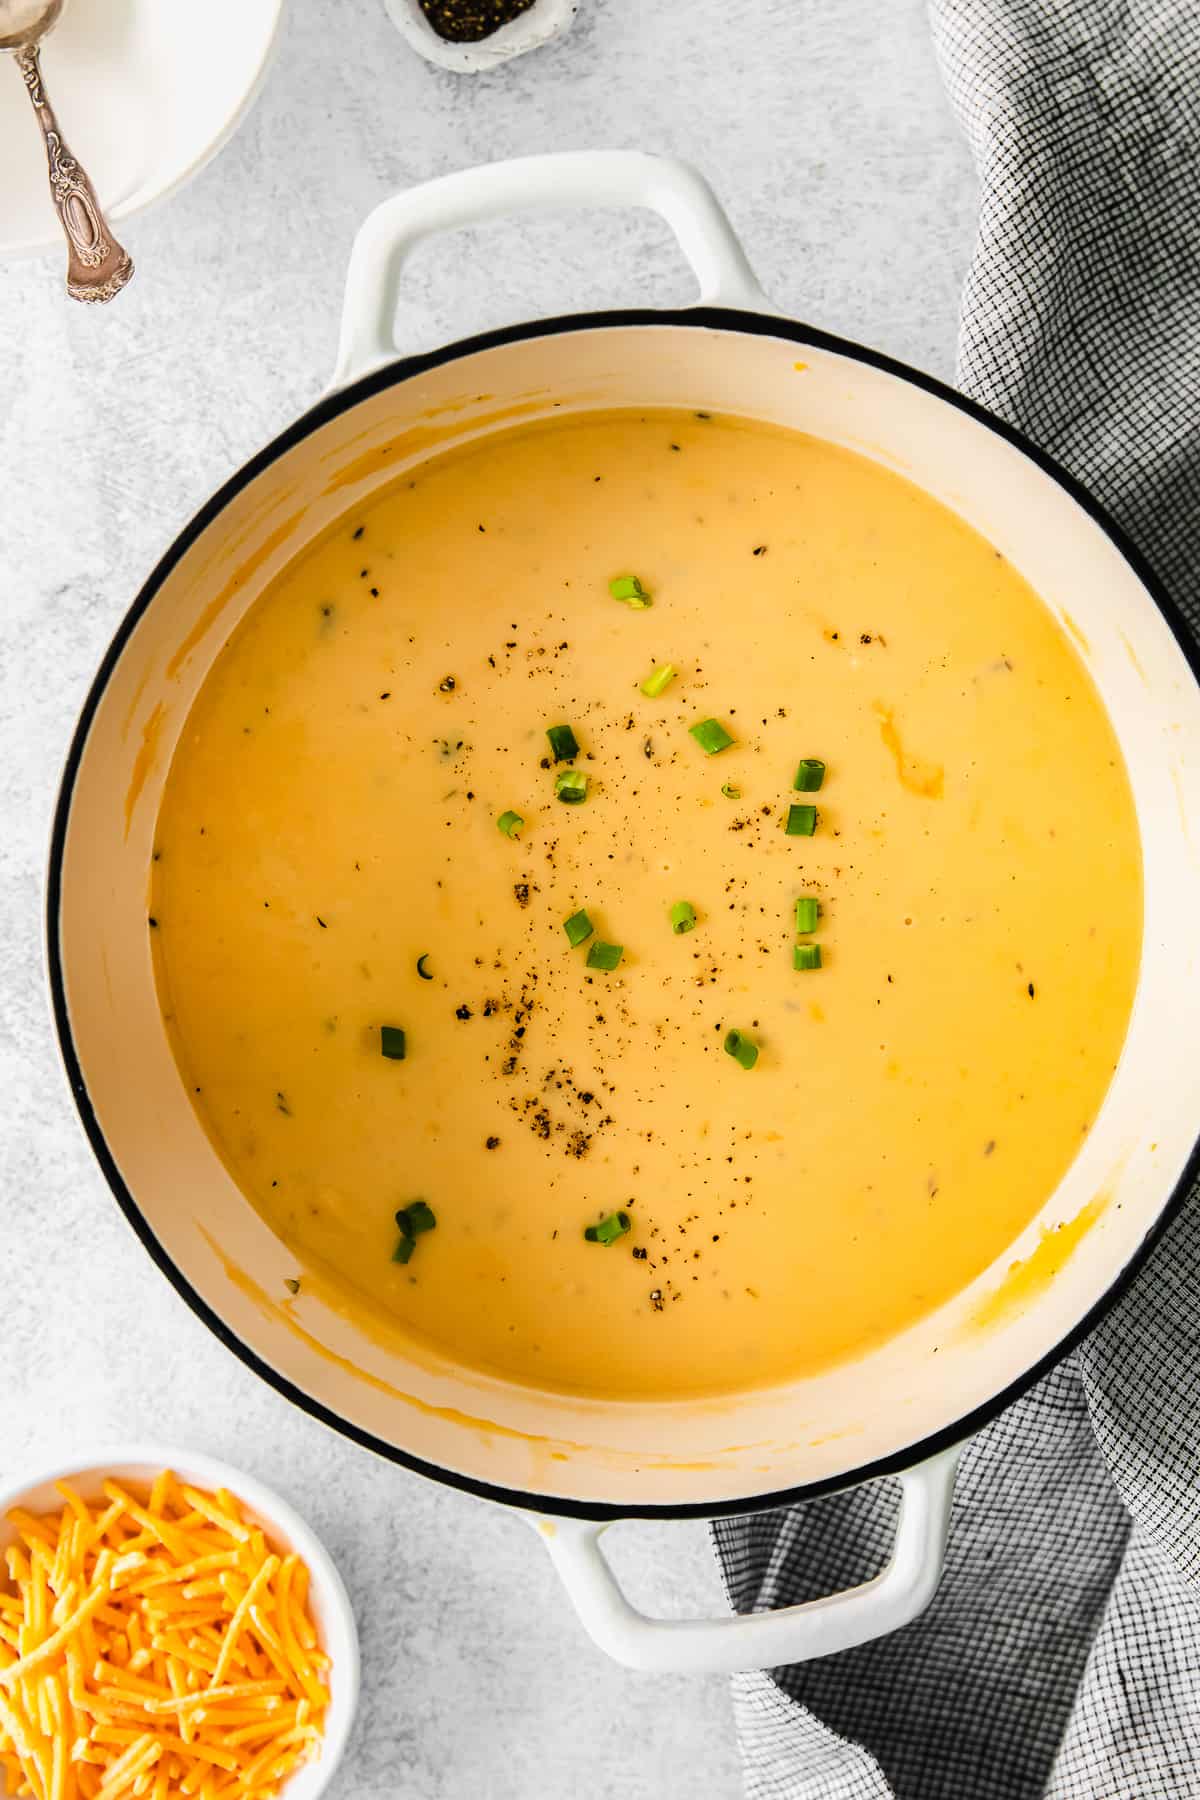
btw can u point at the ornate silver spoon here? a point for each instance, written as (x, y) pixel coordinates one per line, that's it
(97, 266)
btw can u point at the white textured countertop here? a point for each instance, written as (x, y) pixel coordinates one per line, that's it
(825, 131)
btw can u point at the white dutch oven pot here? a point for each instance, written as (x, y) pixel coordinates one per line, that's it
(577, 1464)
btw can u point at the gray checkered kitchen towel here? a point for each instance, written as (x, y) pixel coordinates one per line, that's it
(1061, 1657)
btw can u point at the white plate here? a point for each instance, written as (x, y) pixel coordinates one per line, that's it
(146, 91)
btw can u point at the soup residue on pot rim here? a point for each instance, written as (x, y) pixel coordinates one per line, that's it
(650, 905)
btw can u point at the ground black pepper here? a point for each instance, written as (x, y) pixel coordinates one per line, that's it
(467, 21)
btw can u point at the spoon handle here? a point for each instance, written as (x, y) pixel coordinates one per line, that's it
(97, 266)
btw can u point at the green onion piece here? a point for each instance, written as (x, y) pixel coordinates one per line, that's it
(683, 917)
(571, 786)
(608, 1230)
(604, 956)
(711, 736)
(801, 821)
(510, 823)
(391, 1042)
(806, 956)
(743, 1049)
(422, 971)
(656, 684)
(416, 1218)
(730, 791)
(578, 928)
(808, 911)
(563, 742)
(412, 1220)
(809, 775)
(629, 589)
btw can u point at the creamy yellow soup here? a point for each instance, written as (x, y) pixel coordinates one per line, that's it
(329, 864)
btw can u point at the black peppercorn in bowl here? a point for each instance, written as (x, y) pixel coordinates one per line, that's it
(573, 1464)
(470, 36)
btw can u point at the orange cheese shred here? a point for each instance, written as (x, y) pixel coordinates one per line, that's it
(152, 1644)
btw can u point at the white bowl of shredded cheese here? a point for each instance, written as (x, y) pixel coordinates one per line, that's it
(167, 1625)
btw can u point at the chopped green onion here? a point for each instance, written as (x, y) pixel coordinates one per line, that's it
(510, 823)
(571, 786)
(711, 736)
(604, 956)
(743, 1049)
(683, 917)
(629, 589)
(422, 971)
(412, 1221)
(730, 791)
(391, 1042)
(808, 911)
(809, 775)
(806, 956)
(608, 1230)
(801, 821)
(563, 742)
(416, 1218)
(661, 679)
(578, 928)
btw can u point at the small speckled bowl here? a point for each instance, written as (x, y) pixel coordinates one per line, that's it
(328, 1600)
(544, 20)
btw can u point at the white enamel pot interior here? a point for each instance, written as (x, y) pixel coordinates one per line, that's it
(577, 1463)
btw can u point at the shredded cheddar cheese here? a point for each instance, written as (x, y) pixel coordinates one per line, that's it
(154, 1645)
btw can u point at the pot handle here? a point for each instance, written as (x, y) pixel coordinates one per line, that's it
(674, 191)
(771, 1639)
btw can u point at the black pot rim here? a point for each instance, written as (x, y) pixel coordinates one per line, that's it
(330, 407)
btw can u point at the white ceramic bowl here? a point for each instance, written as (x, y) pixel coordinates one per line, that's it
(332, 1613)
(146, 92)
(545, 20)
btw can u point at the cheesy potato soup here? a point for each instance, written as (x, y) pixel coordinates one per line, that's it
(649, 905)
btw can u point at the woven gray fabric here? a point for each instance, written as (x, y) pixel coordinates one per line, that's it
(1061, 1657)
